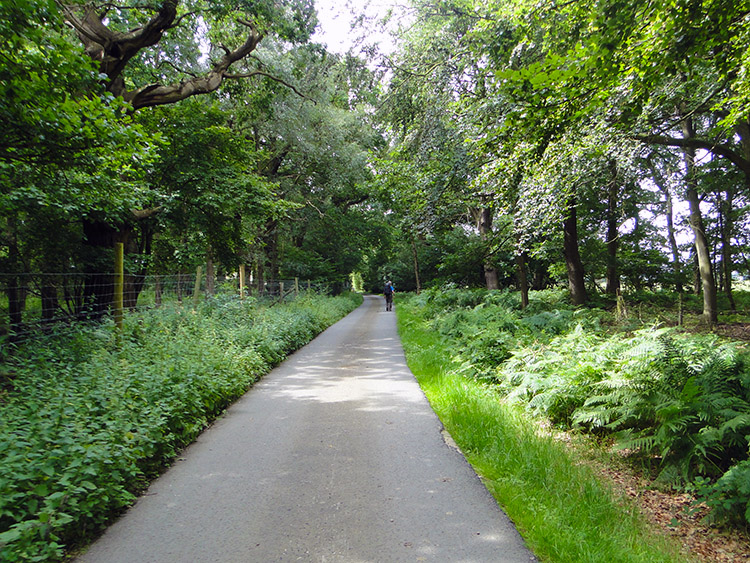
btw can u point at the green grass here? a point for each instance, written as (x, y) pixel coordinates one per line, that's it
(564, 512)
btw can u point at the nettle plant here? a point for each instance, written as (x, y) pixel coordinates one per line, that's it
(85, 423)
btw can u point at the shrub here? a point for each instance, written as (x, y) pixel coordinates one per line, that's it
(682, 401)
(729, 497)
(686, 401)
(85, 423)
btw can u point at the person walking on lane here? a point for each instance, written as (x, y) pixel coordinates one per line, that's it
(388, 291)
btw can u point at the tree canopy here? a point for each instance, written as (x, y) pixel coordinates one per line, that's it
(601, 147)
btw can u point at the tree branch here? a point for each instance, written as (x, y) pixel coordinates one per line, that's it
(158, 94)
(272, 77)
(113, 49)
(721, 150)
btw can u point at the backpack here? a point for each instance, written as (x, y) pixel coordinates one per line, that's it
(388, 290)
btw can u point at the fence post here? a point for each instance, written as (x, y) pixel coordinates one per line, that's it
(296, 287)
(242, 281)
(119, 284)
(197, 288)
(157, 291)
(281, 291)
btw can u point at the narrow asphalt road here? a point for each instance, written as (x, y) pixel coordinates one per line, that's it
(334, 456)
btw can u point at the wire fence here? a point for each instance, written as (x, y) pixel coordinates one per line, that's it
(30, 303)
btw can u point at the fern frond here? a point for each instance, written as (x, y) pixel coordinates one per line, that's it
(741, 421)
(644, 443)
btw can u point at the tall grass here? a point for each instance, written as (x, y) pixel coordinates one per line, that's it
(564, 512)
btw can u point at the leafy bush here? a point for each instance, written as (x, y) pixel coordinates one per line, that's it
(729, 497)
(682, 401)
(484, 327)
(85, 423)
(555, 378)
(450, 298)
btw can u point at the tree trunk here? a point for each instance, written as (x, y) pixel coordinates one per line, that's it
(98, 291)
(724, 205)
(491, 278)
(573, 262)
(49, 298)
(14, 289)
(416, 264)
(696, 272)
(613, 235)
(669, 215)
(142, 246)
(708, 284)
(523, 279)
(483, 218)
(676, 263)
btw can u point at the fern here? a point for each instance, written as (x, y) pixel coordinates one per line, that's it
(683, 401)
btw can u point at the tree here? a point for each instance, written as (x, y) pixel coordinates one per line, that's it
(436, 79)
(67, 149)
(115, 36)
(208, 192)
(315, 150)
(659, 67)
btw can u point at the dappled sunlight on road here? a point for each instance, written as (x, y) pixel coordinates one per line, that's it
(377, 382)
(367, 370)
(333, 456)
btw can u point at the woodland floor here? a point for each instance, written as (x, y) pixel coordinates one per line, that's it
(736, 331)
(674, 513)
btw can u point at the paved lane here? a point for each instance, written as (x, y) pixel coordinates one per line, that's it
(334, 456)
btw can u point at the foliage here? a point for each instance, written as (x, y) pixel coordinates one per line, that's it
(687, 401)
(562, 510)
(484, 328)
(67, 147)
(206, 185)
(679, 402)
(85, 422)
(729, 496)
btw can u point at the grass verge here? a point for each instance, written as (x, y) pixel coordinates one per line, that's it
(563, 511)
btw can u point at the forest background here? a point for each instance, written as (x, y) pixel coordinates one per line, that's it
(602, 148)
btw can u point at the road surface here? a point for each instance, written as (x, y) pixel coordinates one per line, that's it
(335, 456)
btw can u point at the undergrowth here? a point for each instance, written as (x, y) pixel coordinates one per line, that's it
(86, 421)
(677, 402)
(563, 511)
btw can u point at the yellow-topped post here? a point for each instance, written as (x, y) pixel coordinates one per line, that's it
(119, 284)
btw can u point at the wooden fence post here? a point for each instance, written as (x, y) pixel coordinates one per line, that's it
(296, 287)
(197, 288)
(119, 284)
(157, 291)
(210, 278)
